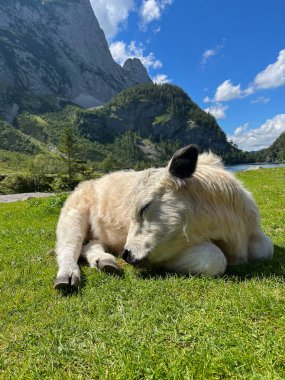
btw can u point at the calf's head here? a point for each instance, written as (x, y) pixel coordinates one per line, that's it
(160, 209)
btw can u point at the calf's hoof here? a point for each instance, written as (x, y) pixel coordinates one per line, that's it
(66, 282)
(108, 266)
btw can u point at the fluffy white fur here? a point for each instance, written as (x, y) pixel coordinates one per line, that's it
(193, 225)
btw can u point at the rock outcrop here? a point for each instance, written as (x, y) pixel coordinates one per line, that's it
(56, 49)
(153, 112)
(137, 71)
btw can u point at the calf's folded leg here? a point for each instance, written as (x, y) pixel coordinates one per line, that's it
(205, 258)
(260, 247)
(97, 258)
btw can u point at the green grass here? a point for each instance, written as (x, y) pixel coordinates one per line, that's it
(13, 162)
(162, 119)
(141, 325)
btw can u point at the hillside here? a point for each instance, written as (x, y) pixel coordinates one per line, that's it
(152, 113)
(54, 51)
(276, 151)
(17, 141)
(141, 127)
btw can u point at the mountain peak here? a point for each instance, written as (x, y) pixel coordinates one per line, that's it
(136, 70)
(56, 48)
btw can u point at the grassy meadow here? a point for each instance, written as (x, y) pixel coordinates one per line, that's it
(141, 325)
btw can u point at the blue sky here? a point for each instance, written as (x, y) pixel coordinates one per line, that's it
(228, 55)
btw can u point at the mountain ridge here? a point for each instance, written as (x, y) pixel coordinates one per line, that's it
(275, 152)
(53, 54)
(153, 112)
(56, 48)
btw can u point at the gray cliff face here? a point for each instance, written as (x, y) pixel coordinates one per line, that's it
(57, 48)
(136, 70)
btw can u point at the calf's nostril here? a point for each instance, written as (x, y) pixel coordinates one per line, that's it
(126, 255)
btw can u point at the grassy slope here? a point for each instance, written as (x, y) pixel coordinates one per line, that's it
(13, 162)
(140, 326)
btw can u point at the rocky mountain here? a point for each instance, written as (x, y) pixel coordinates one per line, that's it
(161, 112)
(153, 113)
(140, 127)
(136, 70)
(54, 51)
(275, 152)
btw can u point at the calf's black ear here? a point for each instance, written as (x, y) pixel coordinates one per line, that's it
(183, 162)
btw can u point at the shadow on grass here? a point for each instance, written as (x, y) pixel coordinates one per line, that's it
(257, 269)
(253, 270)
(69, 290)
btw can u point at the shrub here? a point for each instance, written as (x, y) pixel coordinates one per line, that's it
(21, 183)
(62, 183)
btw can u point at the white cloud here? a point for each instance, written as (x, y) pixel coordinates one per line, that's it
(259, 138)
(207, 99)
(121, 52)
(211, 53)
(241, 129)
(112, 14)
(227, 91)
(161, 78)
(260, 99)
(273, 75)
(248, 91)
(208, 54)
(217, 110)
(151, 10)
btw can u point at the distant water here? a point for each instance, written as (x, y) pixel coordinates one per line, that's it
(242, 167)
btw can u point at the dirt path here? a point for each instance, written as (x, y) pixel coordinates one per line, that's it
(22, 197)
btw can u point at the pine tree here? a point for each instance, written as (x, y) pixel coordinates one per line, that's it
(69, 146)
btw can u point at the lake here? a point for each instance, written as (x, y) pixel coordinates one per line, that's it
(242, 167)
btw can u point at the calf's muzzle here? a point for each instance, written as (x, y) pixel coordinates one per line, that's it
(128, 257)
